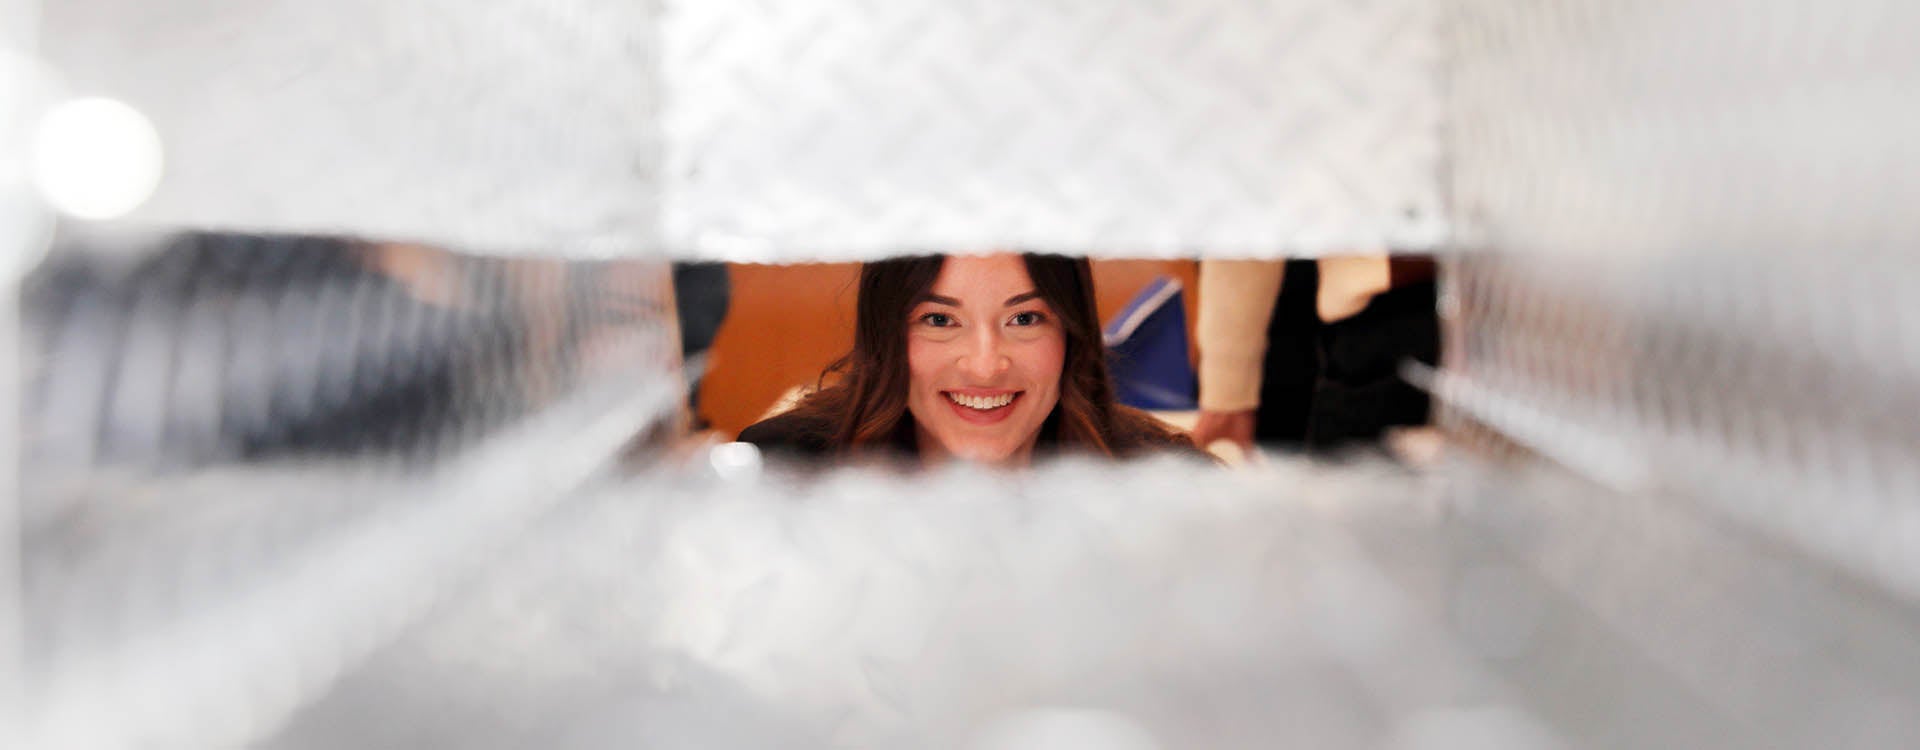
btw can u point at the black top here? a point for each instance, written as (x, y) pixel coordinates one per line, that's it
(790, 435)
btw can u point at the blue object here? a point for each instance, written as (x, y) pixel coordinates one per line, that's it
(1147, 350)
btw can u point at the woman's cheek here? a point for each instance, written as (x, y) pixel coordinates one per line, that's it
(923, 359)
(1051, 355)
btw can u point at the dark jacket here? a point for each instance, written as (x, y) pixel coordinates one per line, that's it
(1326, 386)
(791, 435)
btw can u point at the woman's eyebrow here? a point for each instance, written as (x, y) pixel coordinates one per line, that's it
(951, 302)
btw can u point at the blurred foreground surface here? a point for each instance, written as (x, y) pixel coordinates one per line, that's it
(1357, 605)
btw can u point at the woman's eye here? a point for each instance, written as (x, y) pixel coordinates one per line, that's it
(937, 320)
(1027, 319)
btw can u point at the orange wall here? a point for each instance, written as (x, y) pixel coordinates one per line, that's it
(787, 323)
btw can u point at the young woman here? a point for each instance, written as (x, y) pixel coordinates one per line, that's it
(991, 359)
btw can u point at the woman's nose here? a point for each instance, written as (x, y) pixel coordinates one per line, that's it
(984, 359)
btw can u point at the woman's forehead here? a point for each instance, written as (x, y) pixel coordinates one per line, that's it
(982, 279)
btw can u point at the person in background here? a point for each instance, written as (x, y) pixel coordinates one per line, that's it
(702, 294)
(1305, 354)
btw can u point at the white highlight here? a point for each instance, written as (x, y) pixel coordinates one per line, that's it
(735, 461)
(96, 158)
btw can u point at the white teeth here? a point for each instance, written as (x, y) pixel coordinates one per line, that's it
(981, 402)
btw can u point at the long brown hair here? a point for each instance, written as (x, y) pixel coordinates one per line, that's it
(866, 406)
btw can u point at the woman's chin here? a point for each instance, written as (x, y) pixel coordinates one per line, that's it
(986, 457)
(984, 454)
(981, 445)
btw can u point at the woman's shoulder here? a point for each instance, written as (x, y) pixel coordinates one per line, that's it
(794, 433)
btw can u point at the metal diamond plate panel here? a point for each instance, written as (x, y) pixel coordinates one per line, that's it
(1690, 256)
(520, 126)
(1254, 127)
(792, 130)
(1602, 129)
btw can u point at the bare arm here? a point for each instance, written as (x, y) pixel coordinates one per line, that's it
(1236, 303)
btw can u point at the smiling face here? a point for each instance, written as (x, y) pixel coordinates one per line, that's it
(984, 355)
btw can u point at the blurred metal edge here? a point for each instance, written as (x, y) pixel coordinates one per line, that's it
(462, 508)
(23, 223)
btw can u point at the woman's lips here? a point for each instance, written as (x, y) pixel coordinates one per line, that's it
(981, 407)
